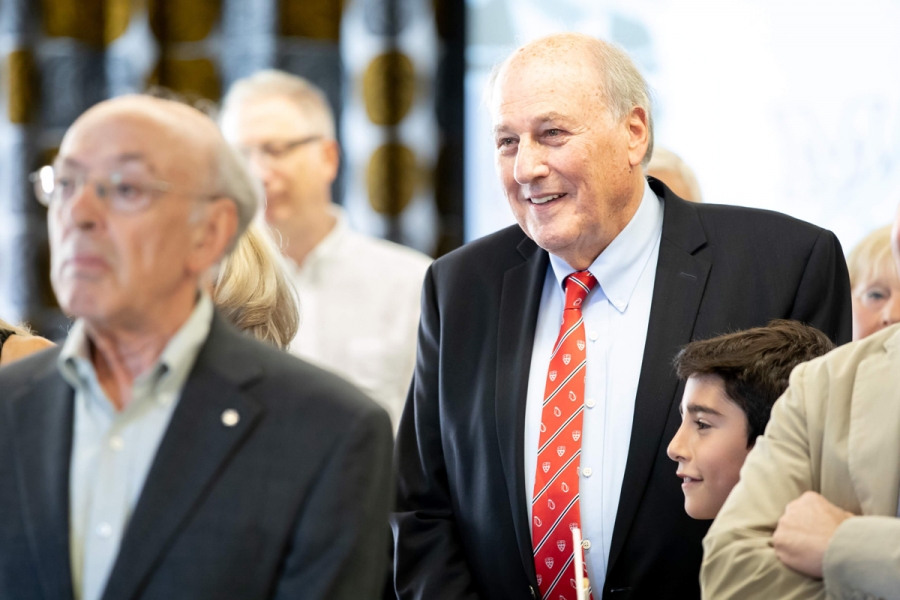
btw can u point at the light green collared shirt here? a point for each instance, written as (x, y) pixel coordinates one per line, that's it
(112, 450)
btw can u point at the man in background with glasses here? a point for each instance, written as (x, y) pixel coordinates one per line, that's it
(359, 296)
(159, 452)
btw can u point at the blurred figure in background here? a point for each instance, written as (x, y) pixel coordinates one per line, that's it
(360, 295)
(252, 289)
(874, 284)
(668, 167)
(17, 342)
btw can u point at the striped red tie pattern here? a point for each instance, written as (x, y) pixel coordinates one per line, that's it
(555, 507)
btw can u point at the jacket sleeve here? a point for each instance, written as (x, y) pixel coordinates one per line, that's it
(863, 559)
(823, 297)
(429, 562)
(738, 557)
(346, 561)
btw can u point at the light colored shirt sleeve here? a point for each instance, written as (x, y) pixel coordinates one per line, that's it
(863, 559)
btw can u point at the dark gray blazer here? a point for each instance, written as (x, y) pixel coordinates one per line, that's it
(292, 502)
(461, 525)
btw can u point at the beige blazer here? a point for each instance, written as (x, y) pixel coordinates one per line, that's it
(836, 431)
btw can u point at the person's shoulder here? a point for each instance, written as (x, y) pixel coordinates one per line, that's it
(369, 248)
(286, 383)
(843, 362)
(743, 220)
(491, 253)
(18, 347)
(25, 370)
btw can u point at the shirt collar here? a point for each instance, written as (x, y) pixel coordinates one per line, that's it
(174, 363)
(620, 265)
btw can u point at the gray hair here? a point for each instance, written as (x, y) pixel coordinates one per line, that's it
(622, 84)
(270, 82)
(231, 178)
(230, 175)
(666, 160)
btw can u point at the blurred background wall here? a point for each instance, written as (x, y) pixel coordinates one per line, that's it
(392, 69)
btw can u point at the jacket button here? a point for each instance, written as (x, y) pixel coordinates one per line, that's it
(534, 595)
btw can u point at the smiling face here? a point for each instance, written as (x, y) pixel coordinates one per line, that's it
(570, 171)
(709, 447)
(118, 269)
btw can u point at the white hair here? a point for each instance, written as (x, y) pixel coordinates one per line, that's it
(270, 82)
(666, 160)
(231, 178)
(622, 84)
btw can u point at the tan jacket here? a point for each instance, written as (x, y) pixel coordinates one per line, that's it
(836, 431)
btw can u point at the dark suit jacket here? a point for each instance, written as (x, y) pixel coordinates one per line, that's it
(289, 503)
(461, 523)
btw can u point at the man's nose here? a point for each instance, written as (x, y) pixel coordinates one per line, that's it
(260, 167)
(891, 312)
(84, 209)
(531, 162)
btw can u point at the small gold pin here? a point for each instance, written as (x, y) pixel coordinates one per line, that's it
(230, 418)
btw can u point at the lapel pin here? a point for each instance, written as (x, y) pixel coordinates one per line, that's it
(230, 417)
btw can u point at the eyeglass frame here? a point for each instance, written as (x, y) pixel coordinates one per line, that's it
(269, 156)
(148, 190)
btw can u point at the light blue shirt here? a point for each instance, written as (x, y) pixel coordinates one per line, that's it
(112, 451)
(616, 315)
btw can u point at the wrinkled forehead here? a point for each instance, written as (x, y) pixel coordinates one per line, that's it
(139, 135)
(531, 84)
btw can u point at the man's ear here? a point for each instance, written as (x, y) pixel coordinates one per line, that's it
(331, 158)
(214, 234)
(638, 124)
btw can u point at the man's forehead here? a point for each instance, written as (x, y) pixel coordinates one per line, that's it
(158, 134)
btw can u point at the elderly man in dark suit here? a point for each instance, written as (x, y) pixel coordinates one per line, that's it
(159, 453)
(544, 397)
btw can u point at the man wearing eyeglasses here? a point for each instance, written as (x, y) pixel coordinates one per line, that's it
(359, 296)
(160, 453)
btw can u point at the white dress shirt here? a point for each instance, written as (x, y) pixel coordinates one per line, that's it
(359, 312)
(616, 315)
(112, 450)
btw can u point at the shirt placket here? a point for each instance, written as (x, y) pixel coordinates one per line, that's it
(110, 504)
(592, 471)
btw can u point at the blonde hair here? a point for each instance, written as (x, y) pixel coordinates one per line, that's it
(871, 255)
(17, 330)
(253, 292)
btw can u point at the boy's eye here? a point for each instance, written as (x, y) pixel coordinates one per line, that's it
(701, 425)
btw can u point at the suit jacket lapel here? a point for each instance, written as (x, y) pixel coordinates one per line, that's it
(520, 300)
(41, 418)
(193, 451)
(678, 289)
(874, 443)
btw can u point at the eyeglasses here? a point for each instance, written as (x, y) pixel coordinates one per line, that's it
(123, 193)
(271, 152)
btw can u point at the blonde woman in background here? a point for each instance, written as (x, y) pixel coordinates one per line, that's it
(18, 342)
(253, 292)
(874, 284)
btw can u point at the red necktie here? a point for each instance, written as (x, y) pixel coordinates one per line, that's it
(555, 506)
